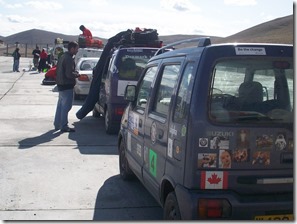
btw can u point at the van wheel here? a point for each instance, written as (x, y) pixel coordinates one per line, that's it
(109, 128)
(125, 171)
(171, 209)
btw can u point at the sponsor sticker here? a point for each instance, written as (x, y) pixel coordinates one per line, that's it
(250, 51)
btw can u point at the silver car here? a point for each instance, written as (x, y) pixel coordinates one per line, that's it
(84, 67)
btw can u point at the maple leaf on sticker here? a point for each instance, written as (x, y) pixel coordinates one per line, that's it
(214, 179)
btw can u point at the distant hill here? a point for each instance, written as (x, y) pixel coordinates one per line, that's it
(36, 36)
(280, 30)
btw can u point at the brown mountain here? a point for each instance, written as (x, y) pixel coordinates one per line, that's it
(280, 30)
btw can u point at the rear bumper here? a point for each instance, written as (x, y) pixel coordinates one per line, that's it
(82, 89)
(242, 207)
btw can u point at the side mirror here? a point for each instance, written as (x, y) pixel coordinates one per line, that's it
(130, 93)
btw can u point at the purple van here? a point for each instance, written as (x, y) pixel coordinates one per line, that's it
(123, 67)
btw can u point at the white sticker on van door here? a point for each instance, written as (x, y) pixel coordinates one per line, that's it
(129, 141)
(250, 51)
(169, 147)
(122, 86)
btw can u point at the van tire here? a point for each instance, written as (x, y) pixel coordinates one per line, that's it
(125, 172)
(171, 209)
(109, 128)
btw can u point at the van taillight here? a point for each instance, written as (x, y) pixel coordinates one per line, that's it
(119, 111)
(213, 208)
(83, 78)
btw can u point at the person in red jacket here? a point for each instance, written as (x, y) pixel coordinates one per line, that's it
(42, 60)
(86, 32)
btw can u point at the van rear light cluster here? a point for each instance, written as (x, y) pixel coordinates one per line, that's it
(83, 78)
(119, 111)
(213, 208)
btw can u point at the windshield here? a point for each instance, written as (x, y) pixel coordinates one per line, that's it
(132, 61)
(252, 90)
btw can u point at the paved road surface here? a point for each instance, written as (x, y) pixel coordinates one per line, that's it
(46, 175)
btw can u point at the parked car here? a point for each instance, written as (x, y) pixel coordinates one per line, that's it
(209, 131)
(84, 67)
(123, 67)
(87, 53)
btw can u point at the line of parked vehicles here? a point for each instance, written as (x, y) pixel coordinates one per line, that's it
(207, 129)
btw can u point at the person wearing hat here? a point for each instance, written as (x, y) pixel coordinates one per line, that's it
(16, 60)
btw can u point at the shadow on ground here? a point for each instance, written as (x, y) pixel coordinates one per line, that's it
(119, 200)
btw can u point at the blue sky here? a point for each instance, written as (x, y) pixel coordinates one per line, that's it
(105, 18)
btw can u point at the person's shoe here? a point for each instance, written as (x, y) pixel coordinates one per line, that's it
(67, 129)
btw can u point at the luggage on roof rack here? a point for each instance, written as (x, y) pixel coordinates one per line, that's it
(140, 38)
(84, 42)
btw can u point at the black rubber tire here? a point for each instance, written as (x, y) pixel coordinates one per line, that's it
(109, 128)
(125, 172)
(171, 208)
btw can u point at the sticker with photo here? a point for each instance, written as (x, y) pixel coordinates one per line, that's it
(219, 142)
(280, 141)
(243, 138)
(225, 159)
(207, 160)
(261, 158)
(264, 142)
(241, 155)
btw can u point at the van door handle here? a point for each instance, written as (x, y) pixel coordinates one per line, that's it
(140, 123)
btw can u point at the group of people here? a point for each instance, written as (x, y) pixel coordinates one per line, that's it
(65, 80)
(39, 59)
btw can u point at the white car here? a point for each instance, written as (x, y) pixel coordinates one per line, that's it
(84, 67)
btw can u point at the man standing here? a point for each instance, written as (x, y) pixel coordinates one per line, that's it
(65, 82)
(36, 53)
(16, 60)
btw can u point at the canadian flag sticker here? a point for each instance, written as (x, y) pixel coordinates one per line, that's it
(214, 180)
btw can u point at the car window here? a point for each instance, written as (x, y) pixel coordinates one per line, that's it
(88, 65)
(165, 89)
(145, 87)
(131, 62)
(184, 94)
(252, 90)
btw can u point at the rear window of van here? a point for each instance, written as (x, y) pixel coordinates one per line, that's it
(130, 62)
(252, 91)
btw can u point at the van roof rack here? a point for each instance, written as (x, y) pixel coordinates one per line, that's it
(202, 42)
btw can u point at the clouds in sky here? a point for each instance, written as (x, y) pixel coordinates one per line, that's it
(106, 18)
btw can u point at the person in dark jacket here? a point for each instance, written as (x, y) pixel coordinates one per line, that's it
(36, 54)
(16, 60)
(65, 80)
